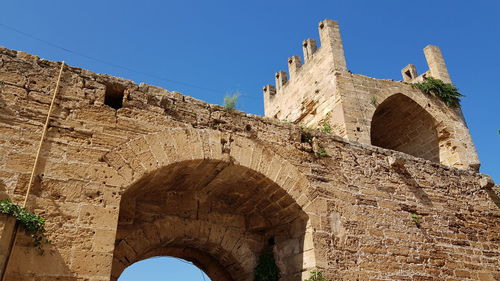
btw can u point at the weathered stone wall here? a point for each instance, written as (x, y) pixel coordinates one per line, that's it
(115, 185)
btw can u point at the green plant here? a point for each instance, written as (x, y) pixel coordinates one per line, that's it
(32, 223)
(373, 101)
(325, 126)
(230, 101)
(322, 152)
(266, 269)
(445, 91)
(416, 219)
(316, 276)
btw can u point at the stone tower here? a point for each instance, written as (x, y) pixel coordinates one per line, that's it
(385, 113)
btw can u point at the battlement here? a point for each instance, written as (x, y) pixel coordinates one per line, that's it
(330, 53)
(372, 111)
(437, 67)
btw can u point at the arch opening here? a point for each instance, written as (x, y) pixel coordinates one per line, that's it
(216, 214)
(163, 268)
(401, 124)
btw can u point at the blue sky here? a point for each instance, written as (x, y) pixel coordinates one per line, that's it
(207, 49)
(163, 269)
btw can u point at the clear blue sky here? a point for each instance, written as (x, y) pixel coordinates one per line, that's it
(226, 46)
(163, 269)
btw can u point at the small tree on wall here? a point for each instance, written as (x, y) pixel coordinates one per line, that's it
(316, 276)
(266, 269)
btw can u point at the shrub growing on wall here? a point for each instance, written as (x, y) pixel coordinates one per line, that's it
(32, 223)
(266, 269)
(445, 91)
(316, 276)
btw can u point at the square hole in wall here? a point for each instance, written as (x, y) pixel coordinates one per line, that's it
(114, 95)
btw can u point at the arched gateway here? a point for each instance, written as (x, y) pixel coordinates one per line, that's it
(210, 198)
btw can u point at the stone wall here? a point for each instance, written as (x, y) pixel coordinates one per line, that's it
(166, 174)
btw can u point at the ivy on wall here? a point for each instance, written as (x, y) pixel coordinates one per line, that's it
(32, 223)
(445, 91)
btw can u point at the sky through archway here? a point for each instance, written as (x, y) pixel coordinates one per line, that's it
(163, 269)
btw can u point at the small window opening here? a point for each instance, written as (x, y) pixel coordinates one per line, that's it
(271, 241)
(408, 74)
(114, 96)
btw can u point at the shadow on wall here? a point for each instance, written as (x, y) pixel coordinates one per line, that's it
(49, 263)
(28, 262)
(494, 195)
(216, 214)
(413, 186)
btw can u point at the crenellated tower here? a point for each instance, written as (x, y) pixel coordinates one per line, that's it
(385, 113)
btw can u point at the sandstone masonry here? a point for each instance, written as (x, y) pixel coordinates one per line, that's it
(132, 171)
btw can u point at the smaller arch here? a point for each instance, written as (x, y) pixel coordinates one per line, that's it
(225, 212)
(202, 261)
(399, 123)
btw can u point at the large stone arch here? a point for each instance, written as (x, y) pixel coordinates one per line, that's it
(401, 124)
(232, 197)
(453, 150)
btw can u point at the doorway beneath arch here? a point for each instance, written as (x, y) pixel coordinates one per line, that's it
(218, 215)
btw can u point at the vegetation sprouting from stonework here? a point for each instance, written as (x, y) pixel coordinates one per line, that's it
(322, 152)
(325, 126)
(230, 101)
(445, 91)
(316, 276)
(33, 224)
(266, 269)
(416, 219)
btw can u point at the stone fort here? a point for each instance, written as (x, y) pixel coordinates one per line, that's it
(391, 191)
